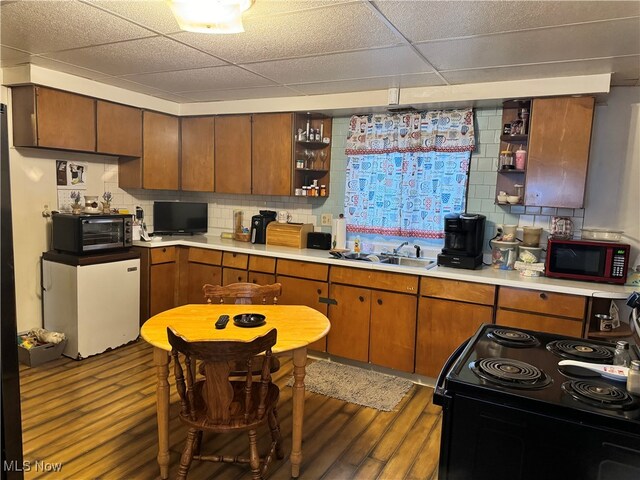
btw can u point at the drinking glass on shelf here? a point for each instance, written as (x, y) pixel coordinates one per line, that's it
(309, 155)
(323, 158)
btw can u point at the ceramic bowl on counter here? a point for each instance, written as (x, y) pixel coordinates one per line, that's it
(601, 234)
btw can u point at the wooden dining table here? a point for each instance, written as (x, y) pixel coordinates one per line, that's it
(297, 326)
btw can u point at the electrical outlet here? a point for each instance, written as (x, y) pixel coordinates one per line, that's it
(325, 220)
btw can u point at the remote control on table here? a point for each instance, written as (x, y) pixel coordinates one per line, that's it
(222, 321)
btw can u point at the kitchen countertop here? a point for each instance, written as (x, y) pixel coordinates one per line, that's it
(486, 275)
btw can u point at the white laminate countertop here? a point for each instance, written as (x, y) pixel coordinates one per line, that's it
(486, 275)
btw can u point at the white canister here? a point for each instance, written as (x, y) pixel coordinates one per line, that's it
(135, 232)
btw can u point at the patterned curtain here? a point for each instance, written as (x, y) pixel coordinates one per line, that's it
(405, 172)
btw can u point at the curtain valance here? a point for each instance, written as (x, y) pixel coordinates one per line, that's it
(432, 131)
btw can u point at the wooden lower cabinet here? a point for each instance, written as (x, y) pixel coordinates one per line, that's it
(233, 275)
(542, 323)
(442, 326)
(301, 291)
(349, 317)
(163, 279)
(392, 330)
(260, 278)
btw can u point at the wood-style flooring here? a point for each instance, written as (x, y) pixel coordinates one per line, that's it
(97, 419)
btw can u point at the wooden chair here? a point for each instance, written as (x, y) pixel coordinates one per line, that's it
(246, 294)
(242, 293)
(220, 405)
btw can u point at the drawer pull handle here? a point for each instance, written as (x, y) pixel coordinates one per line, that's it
(361, 298)
(239, 279)
(233, 255)
(319, 291)
(543, 295)
(164, 249)
(379, 301)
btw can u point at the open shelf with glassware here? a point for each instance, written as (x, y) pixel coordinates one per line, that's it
(312, 154)
(513, 152)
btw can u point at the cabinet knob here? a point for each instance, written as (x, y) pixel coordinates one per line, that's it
(164, 249)
(233, 255)
(319, 291)
(379, 301)
(361, 298)
(543, 296)
(254, 280)
(239, 279)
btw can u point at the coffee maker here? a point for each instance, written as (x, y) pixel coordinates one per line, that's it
(463, 240)
(259, 225)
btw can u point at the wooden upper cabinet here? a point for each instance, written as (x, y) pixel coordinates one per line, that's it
(271, 143)
(559, 142)
(160, 151)
(197, 153)
(119, 129)
(44, 117)
(233, 154)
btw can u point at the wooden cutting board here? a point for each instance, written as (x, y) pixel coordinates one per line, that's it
(288, 234)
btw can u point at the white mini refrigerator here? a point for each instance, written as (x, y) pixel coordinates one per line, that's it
(94, 300)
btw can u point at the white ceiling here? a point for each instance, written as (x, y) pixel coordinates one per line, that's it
(305, 47)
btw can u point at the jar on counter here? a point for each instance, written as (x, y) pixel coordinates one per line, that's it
(633, 378)
(506, 160)
(621, 356)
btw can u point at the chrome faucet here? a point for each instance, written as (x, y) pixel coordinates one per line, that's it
(397, 250)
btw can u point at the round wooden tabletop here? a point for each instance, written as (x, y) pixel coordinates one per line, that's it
(297, 325)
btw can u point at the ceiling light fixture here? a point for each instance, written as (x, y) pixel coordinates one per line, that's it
(210, 16)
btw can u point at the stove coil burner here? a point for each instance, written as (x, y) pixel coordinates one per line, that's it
(513, 338)
(599, 395)
(510, 373)
(578, 350)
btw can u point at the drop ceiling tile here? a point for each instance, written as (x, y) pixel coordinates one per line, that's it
(342, 66)
(65, 67)
(240, 94)
(263, 8)
(373, 83)
(422, 20)
(592, 40)
(48, 26)
(133, 86)
(10, 56)
(622, 67)
(155, 54)
(336, 28)
(153, 14)
(200, 79)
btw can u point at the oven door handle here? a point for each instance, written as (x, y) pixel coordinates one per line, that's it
(439, 393)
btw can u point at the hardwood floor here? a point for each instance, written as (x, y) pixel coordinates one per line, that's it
(97, 419)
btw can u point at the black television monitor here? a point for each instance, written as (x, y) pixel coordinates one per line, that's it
(179, 217)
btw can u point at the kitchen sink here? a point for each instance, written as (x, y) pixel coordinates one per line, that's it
(386, 259)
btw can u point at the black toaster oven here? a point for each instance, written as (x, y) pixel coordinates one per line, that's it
(83, 234)
(319, 240)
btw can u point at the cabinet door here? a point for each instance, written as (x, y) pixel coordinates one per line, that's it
(233, 275)
(197, 153)
(393, 330)
(119, 129)
(199, 274)
(542, 323)
(233, 154)
(260, 278)
(271, 160)
(559, 141)
(442, 326)
(298, 291)
(65, 120)
(162, 287)
(349, 334)
(160, 151)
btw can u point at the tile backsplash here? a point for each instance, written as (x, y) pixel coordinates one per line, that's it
(480, 198)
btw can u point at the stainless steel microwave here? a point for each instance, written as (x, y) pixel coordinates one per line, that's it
(605, 262)
(83, 234)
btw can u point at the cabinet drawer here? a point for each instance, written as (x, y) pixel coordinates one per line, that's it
(233, 275)
(456, 290)
(235, 260)
(163, 255)
(395, 282)
(202, 255)
(558, 304)
(262, 264)
(294, 268)
(531, 321)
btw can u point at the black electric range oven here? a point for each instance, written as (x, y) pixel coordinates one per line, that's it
(509, 413)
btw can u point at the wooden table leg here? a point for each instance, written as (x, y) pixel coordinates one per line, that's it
(299, 363)
(161, 361)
